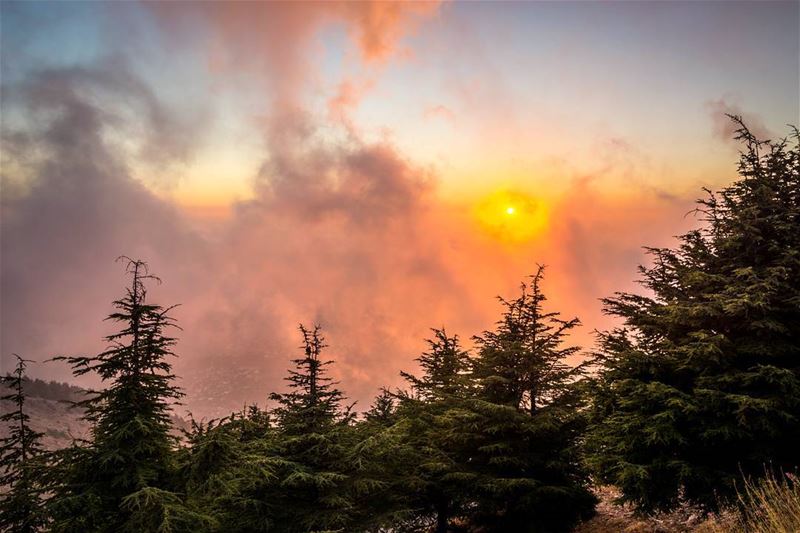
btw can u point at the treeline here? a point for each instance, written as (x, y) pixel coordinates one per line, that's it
(698, 387)
(51, 390)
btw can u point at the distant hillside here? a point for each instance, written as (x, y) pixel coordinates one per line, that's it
(48, 404)
(52, 390)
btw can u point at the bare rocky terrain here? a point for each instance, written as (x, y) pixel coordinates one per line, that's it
(614, 518)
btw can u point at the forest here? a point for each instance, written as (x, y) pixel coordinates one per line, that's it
(694, 394)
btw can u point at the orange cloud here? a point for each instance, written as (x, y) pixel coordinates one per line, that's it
(348, 96)
(349, 233)
(378, 25)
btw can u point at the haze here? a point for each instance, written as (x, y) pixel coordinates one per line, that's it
(379, 168)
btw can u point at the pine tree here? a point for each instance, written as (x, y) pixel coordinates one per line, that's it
(445, 368)
(523, 362)
(314, 434)
(435, 462)
(21, 507)
(225, 466)
(381, 475)
(383, 411)
(314, 402)
(121, 478)
(702, 384)
(523, 423)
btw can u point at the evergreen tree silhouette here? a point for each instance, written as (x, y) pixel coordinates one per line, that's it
(381, 474)
(435, 461)
(445, 367)
(523, 425)
(224, 465)
(702, 384)
(522, 362)
(314, 436)
(120, 479)
(21, 508)
(313, 402)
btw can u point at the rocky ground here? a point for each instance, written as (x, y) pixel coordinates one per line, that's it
(612, 518)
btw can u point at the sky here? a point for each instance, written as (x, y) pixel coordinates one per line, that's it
(379, 168)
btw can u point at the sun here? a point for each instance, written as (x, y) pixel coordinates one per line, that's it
(512, 216)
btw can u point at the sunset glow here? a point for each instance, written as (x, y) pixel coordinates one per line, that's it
(378, 167)
(512, 217)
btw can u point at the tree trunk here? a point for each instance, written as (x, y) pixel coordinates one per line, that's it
(441, 517)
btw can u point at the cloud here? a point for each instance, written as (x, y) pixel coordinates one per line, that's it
(80, 207)
(348, 95)
(724, 129)
(440, 111)
(276, 37)
(335, 234)
(378, 26)
(350, 234)
(341, 229)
